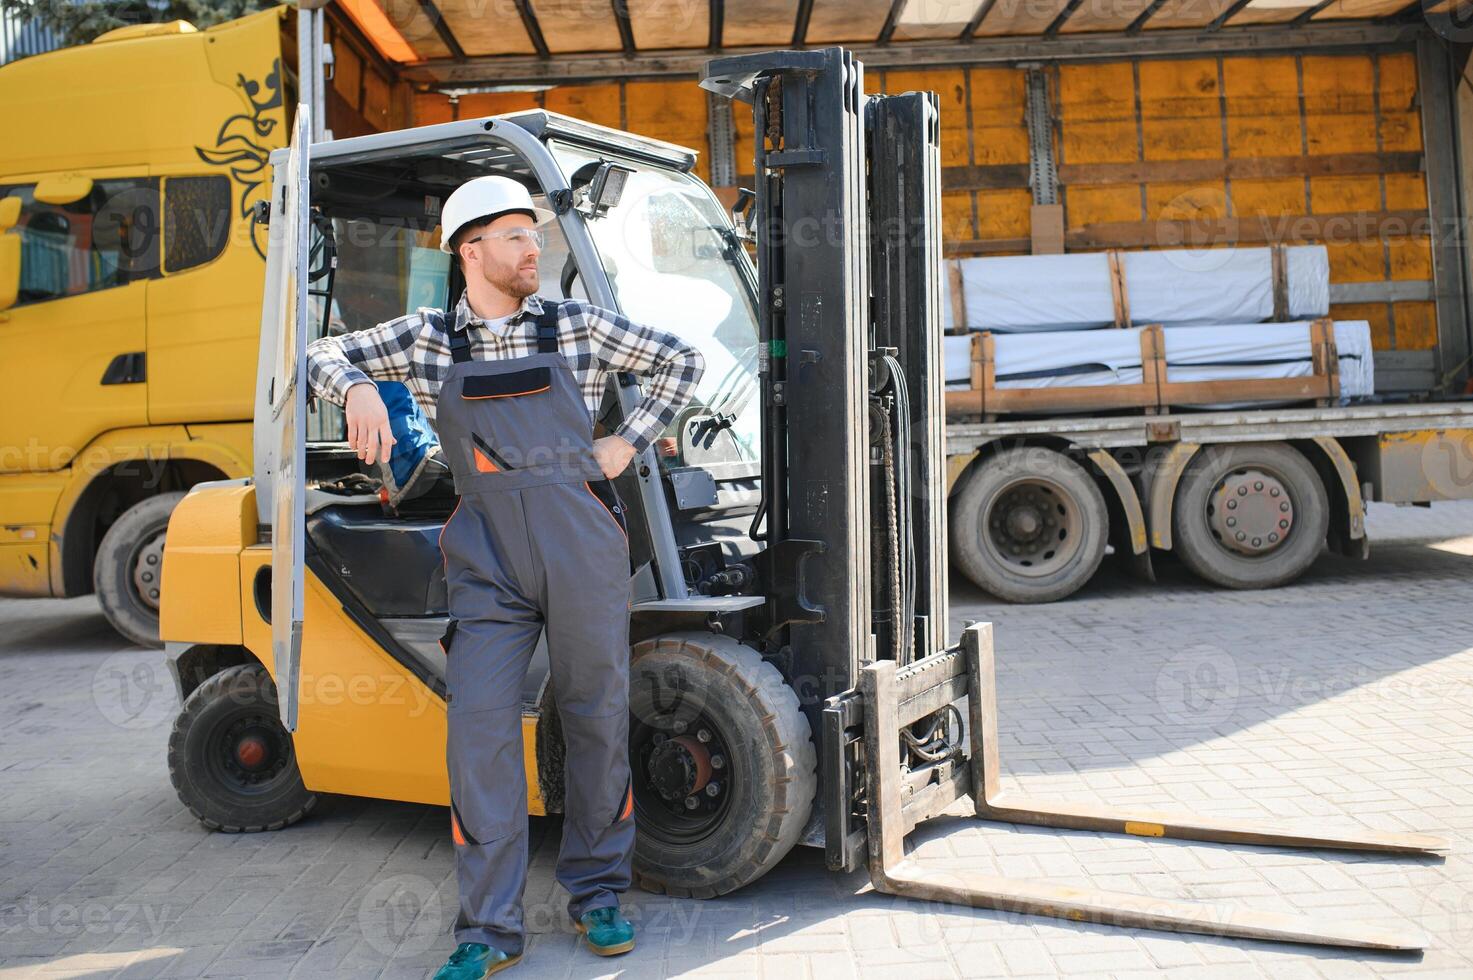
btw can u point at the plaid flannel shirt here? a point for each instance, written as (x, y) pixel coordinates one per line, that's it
(595, 341)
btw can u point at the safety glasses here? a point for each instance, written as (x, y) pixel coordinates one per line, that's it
(517, 236)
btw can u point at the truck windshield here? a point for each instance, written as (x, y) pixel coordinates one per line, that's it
(666, 252)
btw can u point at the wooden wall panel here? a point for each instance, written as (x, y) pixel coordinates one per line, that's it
(1097, 124)
(759, 22)
(999, 129)
(1187, 13)
(851, 20)
(496, 103)
(922, 20)
(601, 104)
(956, 217)
(950, 84)
(576, 25)
(1114, 15)
(1265, 15)
(407, 18)
(481, 27)
(347, 75)
(661, 24)
(430, 108)
(1342, 9)
(670, 110)
(1020, 17)
(746, 150)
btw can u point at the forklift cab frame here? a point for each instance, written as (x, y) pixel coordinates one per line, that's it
(724, 749)
(681, 514)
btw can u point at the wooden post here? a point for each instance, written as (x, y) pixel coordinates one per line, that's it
(1153, 364)
(1119, 294)
(958, 295)
(1281, 283)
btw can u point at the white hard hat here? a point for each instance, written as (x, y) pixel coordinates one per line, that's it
(491, 195)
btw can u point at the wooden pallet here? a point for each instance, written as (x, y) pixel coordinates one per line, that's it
(1154, 393)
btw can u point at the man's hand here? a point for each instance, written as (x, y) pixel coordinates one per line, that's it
(368, 423)
(613, 454)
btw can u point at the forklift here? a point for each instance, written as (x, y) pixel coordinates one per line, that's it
(791, 678)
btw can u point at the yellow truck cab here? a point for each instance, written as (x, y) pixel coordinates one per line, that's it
(130, 284)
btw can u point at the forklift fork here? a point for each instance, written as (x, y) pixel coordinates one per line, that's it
(896, 698)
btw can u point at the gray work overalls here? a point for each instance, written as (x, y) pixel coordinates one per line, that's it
(537, 540)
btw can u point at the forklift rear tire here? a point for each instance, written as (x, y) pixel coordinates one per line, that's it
(1029, 525)
(724, 766)
(126, 575)
(231, 761)
(1250, 516)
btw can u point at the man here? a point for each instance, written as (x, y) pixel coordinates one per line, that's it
(512, 382)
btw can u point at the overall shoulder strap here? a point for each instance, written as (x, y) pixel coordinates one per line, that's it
(547, 329)
(460, 344)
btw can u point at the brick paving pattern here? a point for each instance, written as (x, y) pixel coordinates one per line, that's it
(1346, 699)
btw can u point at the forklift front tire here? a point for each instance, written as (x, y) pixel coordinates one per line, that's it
(724, 766)
(231, 761)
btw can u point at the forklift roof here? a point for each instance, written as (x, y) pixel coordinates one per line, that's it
(467, 140)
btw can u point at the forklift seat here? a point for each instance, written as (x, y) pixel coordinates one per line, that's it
(391, 565)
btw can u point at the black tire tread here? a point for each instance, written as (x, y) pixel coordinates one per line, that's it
(796, 787)
(970, 501)
(217, 686)
(119, 608)
(1207, 560)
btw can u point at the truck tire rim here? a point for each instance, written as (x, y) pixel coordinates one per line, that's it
(250, 753)
(1250, 512)
(1033, 528)
(148, 567)
(682, 776)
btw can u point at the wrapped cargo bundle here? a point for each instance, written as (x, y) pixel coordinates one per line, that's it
(1222, 352)
(1172, 287)
(1268, 350)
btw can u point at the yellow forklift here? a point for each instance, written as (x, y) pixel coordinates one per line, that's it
(791, 677)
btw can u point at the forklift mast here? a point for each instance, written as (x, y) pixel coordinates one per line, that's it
(847, 219)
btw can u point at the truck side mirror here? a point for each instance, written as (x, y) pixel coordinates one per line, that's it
(60, 189)
(9, 252)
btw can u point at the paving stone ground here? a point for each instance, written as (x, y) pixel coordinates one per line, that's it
(1346, 700)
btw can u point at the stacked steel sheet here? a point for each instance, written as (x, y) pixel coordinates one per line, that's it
(1081, 358)
(1057, 318)
(1172, 287)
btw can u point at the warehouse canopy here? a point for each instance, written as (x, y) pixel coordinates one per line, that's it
(461, 40)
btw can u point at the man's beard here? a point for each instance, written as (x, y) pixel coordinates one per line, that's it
(512, 283)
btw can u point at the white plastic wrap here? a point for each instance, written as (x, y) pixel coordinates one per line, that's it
(1052, 360)
(1172, 287)
(1267, 350)
(1014, 294)
(1200, 353)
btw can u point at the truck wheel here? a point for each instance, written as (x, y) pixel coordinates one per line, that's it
(723, 763)
(1029, 525)
(1250, 516)
(127, 572)
(231, 761)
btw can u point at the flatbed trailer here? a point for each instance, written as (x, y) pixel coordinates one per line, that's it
(1247, 497)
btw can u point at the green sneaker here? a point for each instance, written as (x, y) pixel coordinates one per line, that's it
(606, 931)
(472, 961)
